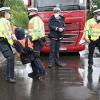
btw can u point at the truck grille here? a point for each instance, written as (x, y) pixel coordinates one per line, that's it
(70, 35)
(69, 39)
(66, 43)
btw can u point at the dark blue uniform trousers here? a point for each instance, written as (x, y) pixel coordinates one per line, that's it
(37, 65)
(54, 52)
(8, 54)
(91, 48)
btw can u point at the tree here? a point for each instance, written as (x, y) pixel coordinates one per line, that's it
(19, 13)
(1, 3)
(96, 3)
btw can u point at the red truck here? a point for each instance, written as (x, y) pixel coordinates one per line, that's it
(75, 12)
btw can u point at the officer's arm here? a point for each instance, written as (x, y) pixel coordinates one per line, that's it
(64, 25)
(30, 27)
(87, 31)
(52, 25)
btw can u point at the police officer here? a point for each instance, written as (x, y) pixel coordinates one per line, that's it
(92, 35)
(37, 32)
(6, 42)
(56, 26)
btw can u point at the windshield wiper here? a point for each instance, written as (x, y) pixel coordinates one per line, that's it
(70, 7)
(62, 6)
(46, 8)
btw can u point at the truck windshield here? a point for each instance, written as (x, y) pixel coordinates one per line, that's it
(48, 5)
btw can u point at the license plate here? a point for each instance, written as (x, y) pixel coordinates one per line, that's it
(63, 49)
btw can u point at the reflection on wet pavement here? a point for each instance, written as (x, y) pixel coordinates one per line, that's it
(72, 82)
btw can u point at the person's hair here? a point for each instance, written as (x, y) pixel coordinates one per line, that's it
(2, 14)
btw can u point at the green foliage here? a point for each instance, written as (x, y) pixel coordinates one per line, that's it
(95, 2)
(19, 14)
(1, 3)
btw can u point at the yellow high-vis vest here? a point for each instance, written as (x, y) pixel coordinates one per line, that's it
(36, 28)
(92, 29)
(5, 30)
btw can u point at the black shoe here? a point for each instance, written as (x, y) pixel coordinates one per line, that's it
(31, 75)
(50, 66)
(34, 76)
(40, 76)
(59, 65)
(11, 80)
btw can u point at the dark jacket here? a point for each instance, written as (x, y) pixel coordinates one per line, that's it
(53, 24)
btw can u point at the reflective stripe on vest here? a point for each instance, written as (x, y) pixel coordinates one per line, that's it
(23, 43)
(36, 28)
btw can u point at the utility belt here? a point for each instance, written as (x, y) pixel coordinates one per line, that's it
(3, 39)
(41, 40)
(91, 39)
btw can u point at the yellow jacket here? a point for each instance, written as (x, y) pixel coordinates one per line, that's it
(92, 29)
(6, 30)
(36, 28)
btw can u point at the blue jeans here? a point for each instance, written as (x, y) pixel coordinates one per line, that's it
(8, 54)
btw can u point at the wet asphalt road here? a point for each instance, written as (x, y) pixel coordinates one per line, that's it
(71, 82)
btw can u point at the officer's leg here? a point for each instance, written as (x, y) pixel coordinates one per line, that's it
(57, 62)
(98, 45)
(57, 46)
(37, 61)
(52, 53)
(34, 72)
(34, 68)
(91, 48)
(8, 54)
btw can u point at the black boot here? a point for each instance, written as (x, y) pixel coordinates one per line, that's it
(31, 75)
(59, 64)
(50, 65)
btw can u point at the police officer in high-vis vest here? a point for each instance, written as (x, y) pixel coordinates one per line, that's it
(6, 42)
(92, 35)
(37, 32)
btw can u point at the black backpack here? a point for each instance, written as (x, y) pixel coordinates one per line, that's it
(26, 53)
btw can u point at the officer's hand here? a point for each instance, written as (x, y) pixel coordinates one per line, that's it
(14, 37)
(61, 29)
(88, 41)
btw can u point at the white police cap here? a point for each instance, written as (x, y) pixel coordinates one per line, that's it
(33, 9)
(57, 9)
(4, 8)
(96, 11)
